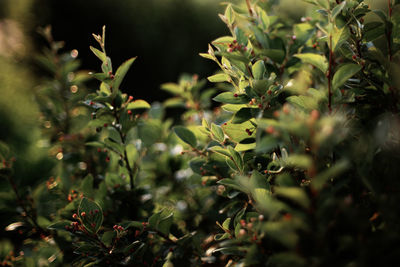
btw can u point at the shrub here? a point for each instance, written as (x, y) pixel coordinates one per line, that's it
(295, 166)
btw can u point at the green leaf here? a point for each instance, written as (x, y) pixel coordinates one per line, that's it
(87, 186)
(237, 158)
(217, 133)
(121, 72)
(98, 53)
(132, 153)
(339, 36)
(91, 215)
(233, 184)
(237, 132)
(222, 77)
(245, 147)
(161, 222)
(337, 9)
(344, 73)
(59, 225)
(107, 237)
(220, 150)
(113, 145)
(258, 70)
(265, 22)
(186, 135)
(276, 55)
(257, 180)
(244, 114)
(330, 173)
(298, 195)
(165, 224)
(173, 88)
(318, 61)
(138, 104)
(229, 14)
(323, 4)
(226, 223)
(230, 98)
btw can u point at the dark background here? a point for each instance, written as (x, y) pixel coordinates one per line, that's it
(166, 35)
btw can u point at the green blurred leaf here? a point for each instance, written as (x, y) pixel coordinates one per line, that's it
(296, 194)
(138, 104)
(344, 73)
(318, 61)
(186, 135)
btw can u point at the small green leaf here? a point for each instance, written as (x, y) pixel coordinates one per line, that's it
(337, 9)
(237, 158)
(231, 98)
(222, 77)
(121, 72)
(98, 53)
(265, 22)
(220, 150)
(344, 73)
(244, 114)
(298, 195)
(137, 104)
(91, 215)
(229, 14)
(316, 60)
(258, 70)
(217, 133)
(185, 135)
(173, 88)
(226, 223)
(232, 184)
(59, 225)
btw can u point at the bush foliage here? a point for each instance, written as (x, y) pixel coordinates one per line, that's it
(289, 159)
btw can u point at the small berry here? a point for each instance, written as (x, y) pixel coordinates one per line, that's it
(235, 95)
(314, 45)
(354, 57)
(107, 159)
(130, 98)
(294, 37)
(91, 103)
(75, 216)
(105, 125)
(129, 112)
(270, 129)
(234, 41)
(230, 50)
(260, 106)
(83, 214)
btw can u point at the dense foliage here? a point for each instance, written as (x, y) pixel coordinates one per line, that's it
(293, 163)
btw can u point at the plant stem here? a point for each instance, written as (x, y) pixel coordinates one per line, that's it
(329, 75)
(249, 7)
(389, 33)
(125, 156)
